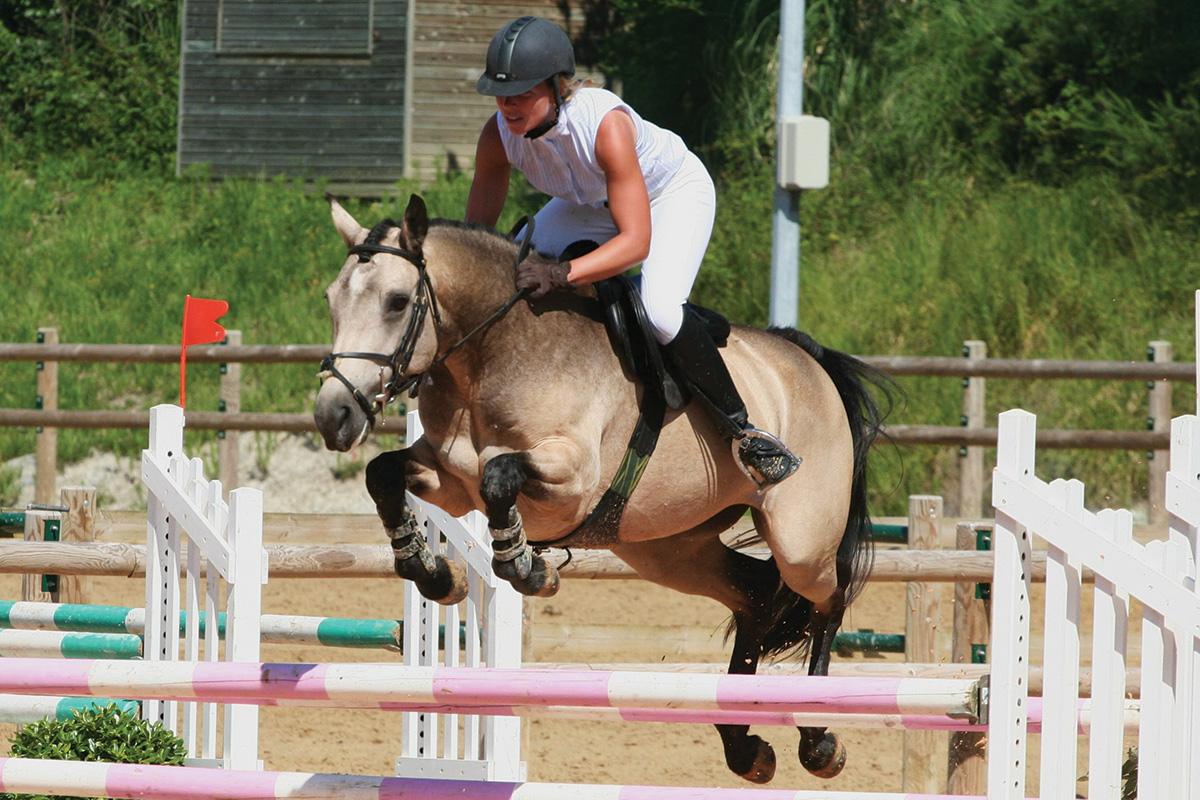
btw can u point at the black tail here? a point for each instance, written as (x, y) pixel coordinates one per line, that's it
(858, 384)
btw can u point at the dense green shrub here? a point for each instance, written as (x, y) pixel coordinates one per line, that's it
(96, 734)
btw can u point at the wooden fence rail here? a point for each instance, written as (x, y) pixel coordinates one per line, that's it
(198, 420)
(166, 353)
(120, 559)
(1036, 368)
(929, 366)
(303, 423)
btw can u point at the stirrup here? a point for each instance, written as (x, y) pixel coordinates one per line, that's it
(763, 458)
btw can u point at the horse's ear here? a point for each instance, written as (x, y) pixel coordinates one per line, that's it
(416, 224)
(352, 233)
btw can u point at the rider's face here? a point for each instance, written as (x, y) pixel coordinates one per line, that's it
(524, 112)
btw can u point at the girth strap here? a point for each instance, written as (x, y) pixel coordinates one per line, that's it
(600, 529)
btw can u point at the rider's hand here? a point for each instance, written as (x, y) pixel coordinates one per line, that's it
(543, 276)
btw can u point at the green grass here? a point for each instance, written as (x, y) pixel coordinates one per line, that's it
(111, 262)
(1034, 272)
(1072, 272)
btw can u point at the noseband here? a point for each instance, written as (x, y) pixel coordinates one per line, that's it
(423, 301)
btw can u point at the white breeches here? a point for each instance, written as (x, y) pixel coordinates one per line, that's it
(681, 222)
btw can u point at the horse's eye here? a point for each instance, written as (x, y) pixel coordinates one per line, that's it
(397, 303)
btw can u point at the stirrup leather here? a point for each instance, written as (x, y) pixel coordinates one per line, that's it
(763, 457)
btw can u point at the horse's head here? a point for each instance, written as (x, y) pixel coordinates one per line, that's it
(384, 323)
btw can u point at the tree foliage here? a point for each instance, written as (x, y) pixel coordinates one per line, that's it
(1041, 90)
(1048, 89)
(702, 68)
(92, 76)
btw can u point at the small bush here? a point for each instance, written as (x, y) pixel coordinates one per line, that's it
(10, 486)
(96, 734)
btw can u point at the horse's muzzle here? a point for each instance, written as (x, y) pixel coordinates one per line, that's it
(340, 420)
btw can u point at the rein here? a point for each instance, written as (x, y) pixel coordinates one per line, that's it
(423, 301)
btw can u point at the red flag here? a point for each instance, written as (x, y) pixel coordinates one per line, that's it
(200, 326)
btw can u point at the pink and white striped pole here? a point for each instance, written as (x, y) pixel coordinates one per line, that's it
(92, 779)
(775, 700)
(399, 687)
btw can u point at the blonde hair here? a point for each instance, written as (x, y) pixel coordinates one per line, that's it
(568, 86)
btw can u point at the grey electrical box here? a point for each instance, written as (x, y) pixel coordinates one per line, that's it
(803, 152)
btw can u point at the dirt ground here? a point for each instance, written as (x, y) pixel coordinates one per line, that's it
(297, 477)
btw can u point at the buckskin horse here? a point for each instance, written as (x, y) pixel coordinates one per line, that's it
(527, 412)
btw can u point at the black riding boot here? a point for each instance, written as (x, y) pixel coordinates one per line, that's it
(763, 457)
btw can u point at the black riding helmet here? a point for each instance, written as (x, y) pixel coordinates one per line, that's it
(524, 53)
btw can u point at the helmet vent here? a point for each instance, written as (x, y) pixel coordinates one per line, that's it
(504, 57)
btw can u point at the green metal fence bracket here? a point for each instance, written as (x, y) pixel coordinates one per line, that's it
(983, 541)
(51, 534)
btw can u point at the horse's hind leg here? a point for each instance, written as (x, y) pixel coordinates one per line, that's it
(821, 752)
(512, 557)
(749, 756)
(812, 571)
(436, 577)
(699, 563)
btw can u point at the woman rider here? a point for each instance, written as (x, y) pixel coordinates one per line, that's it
(622, 182)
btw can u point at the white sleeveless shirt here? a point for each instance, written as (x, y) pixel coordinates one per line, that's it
(562, 162)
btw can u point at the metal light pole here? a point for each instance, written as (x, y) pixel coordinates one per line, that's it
(785, 237)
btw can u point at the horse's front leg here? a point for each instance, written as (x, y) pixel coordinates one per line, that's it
(388, 476)
(551, 476)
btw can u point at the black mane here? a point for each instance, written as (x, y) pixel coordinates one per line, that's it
(380, 230)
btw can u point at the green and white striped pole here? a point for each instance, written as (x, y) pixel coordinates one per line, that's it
(20, 709)
(275, 628)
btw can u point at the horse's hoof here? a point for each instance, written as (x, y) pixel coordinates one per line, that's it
(451, 581)
(543, 580)
(446, 585)
(825, 757)
(762, 766)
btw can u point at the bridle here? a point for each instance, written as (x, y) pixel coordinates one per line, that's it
(424, 300)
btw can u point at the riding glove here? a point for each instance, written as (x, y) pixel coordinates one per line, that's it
(543, 276)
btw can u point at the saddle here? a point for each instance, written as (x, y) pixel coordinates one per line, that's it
(634, 342)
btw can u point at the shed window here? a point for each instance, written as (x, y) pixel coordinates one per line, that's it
(295, 27)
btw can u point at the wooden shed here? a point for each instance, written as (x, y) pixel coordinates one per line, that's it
(359, 92)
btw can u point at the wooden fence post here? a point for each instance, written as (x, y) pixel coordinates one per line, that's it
(46, 447)
(1160, 420)
(231, 403)
(921, 763)
(967, 769)
(41, 524)
(78, 525)
(970, 458)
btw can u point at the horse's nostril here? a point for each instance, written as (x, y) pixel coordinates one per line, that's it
(331, 417)
(335, 424)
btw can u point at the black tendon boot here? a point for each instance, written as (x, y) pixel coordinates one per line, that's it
(762, 456)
